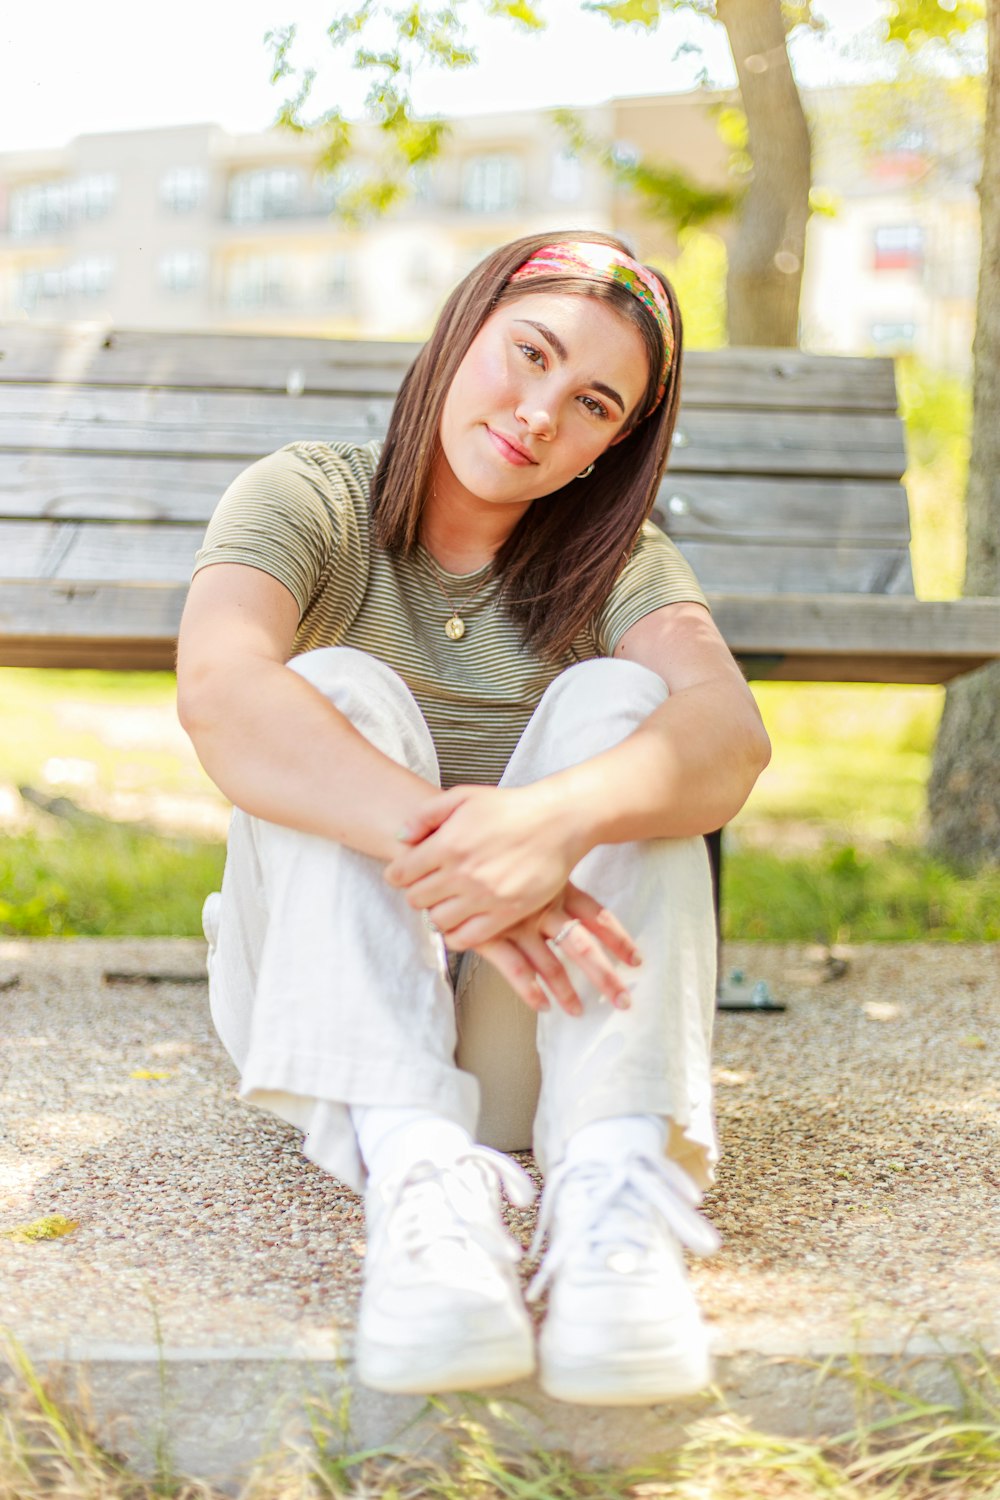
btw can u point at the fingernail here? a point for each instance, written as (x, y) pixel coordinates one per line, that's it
(623, 1000)
(635, 958)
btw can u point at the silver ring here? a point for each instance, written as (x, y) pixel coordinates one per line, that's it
(564, 931)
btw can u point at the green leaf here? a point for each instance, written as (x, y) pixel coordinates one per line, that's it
(342, 28)
(667, 193)
(519, 11)
(915, 22)
(628, 12)
(824, 203)
(280, 42)
(391, 61)
(52, 1227)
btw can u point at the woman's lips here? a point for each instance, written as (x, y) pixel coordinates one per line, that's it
(510, 450)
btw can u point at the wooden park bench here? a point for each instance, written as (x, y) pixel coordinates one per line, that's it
(784, 491)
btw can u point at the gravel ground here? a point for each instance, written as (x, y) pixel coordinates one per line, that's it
(859, 1194)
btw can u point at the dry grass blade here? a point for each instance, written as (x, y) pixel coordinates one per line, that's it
(478, 1448)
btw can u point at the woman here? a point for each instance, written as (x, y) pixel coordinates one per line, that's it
(481, 606)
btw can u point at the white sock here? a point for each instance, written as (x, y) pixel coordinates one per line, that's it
(392, 1138)
(617, 1136)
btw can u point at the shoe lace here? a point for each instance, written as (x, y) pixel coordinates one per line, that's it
(610, 1207)
(425, 1203)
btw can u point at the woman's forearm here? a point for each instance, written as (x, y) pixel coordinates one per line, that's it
(279, 750)
(686, 770)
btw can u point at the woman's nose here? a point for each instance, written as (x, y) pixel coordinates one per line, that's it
(538, 416)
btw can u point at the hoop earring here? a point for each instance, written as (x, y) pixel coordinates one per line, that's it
(587, 472)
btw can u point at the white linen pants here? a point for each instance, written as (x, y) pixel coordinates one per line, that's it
(328, 990)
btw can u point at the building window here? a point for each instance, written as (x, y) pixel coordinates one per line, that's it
(39, 208)
(93, 195)
(267, 193)
(899, 247)
(624, 154)
(90, 277)
(258, 281)
(339, 284)
(892, 338)
(491, 184)
(181, 270)
(183, 189)
(566, 181)
(33, 288)
(422, 183)
(50, 207)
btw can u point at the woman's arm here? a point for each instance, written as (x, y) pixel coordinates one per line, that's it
(273, 744)
(692, 764)
(281, 751)
(479, 855)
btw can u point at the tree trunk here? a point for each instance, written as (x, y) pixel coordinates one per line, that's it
(964, 791)
(765, 256)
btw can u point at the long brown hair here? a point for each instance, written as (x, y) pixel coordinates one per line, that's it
(560, 562)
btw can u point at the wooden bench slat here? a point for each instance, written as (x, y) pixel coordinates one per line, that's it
(825, 512)
(123, 551)
(142, 487)
(113, 486)
(799, 569)
(865, 629)
(75, 551)
(211, 423)
(229, 424)
(788, 442)
(836, 638)
(263, 362)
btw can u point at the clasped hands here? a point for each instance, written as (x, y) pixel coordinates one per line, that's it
(491, 868)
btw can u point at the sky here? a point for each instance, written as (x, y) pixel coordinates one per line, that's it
(70, 69)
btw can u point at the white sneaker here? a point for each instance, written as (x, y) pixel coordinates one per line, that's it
(210, 913)
(623, 1326)
(441, 1307)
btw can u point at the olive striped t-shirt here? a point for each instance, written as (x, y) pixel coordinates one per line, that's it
(302, 515)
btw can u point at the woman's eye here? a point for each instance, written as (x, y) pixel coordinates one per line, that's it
(531, 353)
(597, 407)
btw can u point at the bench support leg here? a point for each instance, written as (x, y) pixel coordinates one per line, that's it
(735, 991)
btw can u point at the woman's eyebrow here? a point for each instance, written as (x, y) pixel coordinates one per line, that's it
(560, 348)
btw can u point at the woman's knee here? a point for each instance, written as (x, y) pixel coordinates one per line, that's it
(375, 699)
(589, 708)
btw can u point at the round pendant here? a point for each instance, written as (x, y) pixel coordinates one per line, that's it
(454, 628)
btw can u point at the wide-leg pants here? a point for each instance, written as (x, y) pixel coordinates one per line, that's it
(328, 990)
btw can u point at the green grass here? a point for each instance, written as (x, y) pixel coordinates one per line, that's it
(841, 894)
(827, 850)
(901, 1446)
(105, 882)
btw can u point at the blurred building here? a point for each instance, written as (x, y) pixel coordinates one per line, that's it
(191, 227)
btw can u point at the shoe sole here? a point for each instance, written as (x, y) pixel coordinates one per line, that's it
(465, 1367)
(632, 1380)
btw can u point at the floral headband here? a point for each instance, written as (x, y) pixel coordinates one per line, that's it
(603, 263)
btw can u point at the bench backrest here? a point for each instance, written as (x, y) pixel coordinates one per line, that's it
(115, 447)
(784, 491)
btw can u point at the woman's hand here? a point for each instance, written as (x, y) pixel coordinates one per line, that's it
(589, 937)
(479, 860)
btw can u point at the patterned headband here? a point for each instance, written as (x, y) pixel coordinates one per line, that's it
(603, 263)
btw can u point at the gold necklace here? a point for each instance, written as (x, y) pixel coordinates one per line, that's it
(455, 627)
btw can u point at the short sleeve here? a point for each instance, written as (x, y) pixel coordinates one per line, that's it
(656, 574)
(301, 516)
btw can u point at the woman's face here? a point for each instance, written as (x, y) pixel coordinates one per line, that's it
(547, 384)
